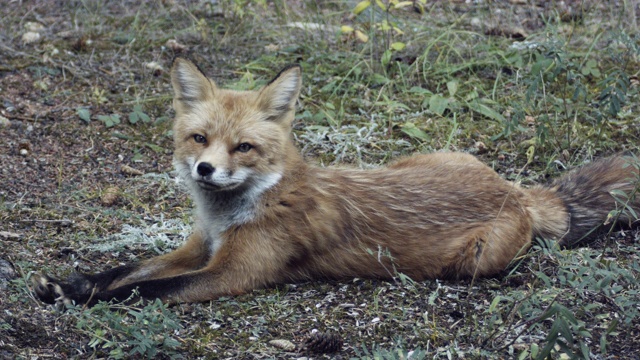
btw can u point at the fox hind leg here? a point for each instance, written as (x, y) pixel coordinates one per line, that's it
(489, 249)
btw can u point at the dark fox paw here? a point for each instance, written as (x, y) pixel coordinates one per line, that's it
(49, 290)
(77, 289)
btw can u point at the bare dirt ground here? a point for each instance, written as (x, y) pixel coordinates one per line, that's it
(68, 185)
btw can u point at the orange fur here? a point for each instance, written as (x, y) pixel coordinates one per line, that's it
(264, 216)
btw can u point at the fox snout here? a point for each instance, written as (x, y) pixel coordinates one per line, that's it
(210, 177)
(205, 176)
(217, 177)
(205, 169)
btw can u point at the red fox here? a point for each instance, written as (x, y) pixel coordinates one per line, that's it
(266, 217)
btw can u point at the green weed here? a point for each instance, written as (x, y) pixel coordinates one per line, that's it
(121, 331)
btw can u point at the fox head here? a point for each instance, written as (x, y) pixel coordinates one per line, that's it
(229, 140)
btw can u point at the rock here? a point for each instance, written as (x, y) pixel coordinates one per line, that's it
(9, 235)
(110, 196)
(30, 37)
(175, 46)
(6, 273)
(4, 122)
(155, 68)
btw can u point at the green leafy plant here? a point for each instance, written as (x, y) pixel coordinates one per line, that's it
(399, 352)
(126, 331)
(98, 96)
(384, 24)
(240, 8)
(561, 88)
(110, 120)
(84, 114)
(137, 114)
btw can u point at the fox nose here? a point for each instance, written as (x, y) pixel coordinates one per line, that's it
(205, 169)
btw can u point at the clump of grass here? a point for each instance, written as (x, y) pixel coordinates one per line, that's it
(160, 236)
(123, 331)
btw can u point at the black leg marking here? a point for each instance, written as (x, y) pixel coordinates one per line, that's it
(164, 288)
(78, 287)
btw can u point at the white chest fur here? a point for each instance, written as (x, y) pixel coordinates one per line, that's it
(219, 211)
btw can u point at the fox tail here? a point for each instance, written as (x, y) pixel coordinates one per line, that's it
(588, 201)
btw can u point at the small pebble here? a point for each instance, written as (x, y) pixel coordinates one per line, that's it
(4, 121)
(110, 196)
(175, 46)
(6, 273)
(155, 68)
(30, 37)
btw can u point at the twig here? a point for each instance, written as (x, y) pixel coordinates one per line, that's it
(63, 221)
(20, 117)
(14, 67)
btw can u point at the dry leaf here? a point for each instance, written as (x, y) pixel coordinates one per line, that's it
(346, 29)
(362, 36)
(130, 171)
(283, 344)
(361, 6)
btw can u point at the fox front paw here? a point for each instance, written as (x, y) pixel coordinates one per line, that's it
(49, 290)
(77, 289)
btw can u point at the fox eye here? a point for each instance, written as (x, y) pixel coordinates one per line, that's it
(199, 139)
(244, 147)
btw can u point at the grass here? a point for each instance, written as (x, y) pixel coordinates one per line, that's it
(565, 91)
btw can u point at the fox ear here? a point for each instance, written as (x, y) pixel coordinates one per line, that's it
(189, 83)
(280, 95)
